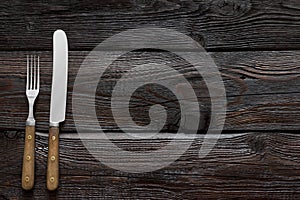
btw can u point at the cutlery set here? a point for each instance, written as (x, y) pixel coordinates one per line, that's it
(57, 111)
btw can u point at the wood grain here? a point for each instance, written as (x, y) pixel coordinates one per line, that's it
(252, 165)
(216, 24)
(261, 88)
(28, 159)
(255, 44)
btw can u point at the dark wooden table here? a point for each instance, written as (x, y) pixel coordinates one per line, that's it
(255, 44)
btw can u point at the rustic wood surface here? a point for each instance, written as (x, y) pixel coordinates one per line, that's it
(262, 90)
(254, 43)
(248, 165)
(216, 24)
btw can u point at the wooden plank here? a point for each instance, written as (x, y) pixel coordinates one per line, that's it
(252, 165)
(216, 24)
(262, 90)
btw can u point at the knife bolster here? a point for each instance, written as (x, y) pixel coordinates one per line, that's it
(54, 124)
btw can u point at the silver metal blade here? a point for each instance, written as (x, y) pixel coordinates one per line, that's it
(59, 78)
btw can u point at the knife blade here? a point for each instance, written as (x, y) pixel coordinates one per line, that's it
(57, 105)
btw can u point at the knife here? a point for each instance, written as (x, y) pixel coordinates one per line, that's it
(57, 105)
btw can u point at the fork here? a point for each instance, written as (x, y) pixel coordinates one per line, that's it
(32, 91)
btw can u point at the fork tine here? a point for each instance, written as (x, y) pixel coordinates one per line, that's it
(31, 66)
(34, 72)
(38, 73)
(27, 81)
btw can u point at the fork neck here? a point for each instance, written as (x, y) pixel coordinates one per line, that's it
(30, 120)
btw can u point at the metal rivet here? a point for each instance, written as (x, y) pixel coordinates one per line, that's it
(52, 179)
(52, 158)
(28, 157)
(53, 138)
(29, 137)
(27, 179)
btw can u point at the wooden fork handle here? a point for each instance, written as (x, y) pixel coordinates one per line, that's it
(53, 159)
(28, 159)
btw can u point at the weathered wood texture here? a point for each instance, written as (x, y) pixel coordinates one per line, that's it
(262, 90)
(216, 24)
(250, 165)
(255, 44)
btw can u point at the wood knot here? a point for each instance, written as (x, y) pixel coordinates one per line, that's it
(257, 143)
(198, 38)
(234, 8)
(12, 135)
(158, 5)
(29, 26)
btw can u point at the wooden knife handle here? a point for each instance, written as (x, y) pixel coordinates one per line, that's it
(53, 159)
(28, 159)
